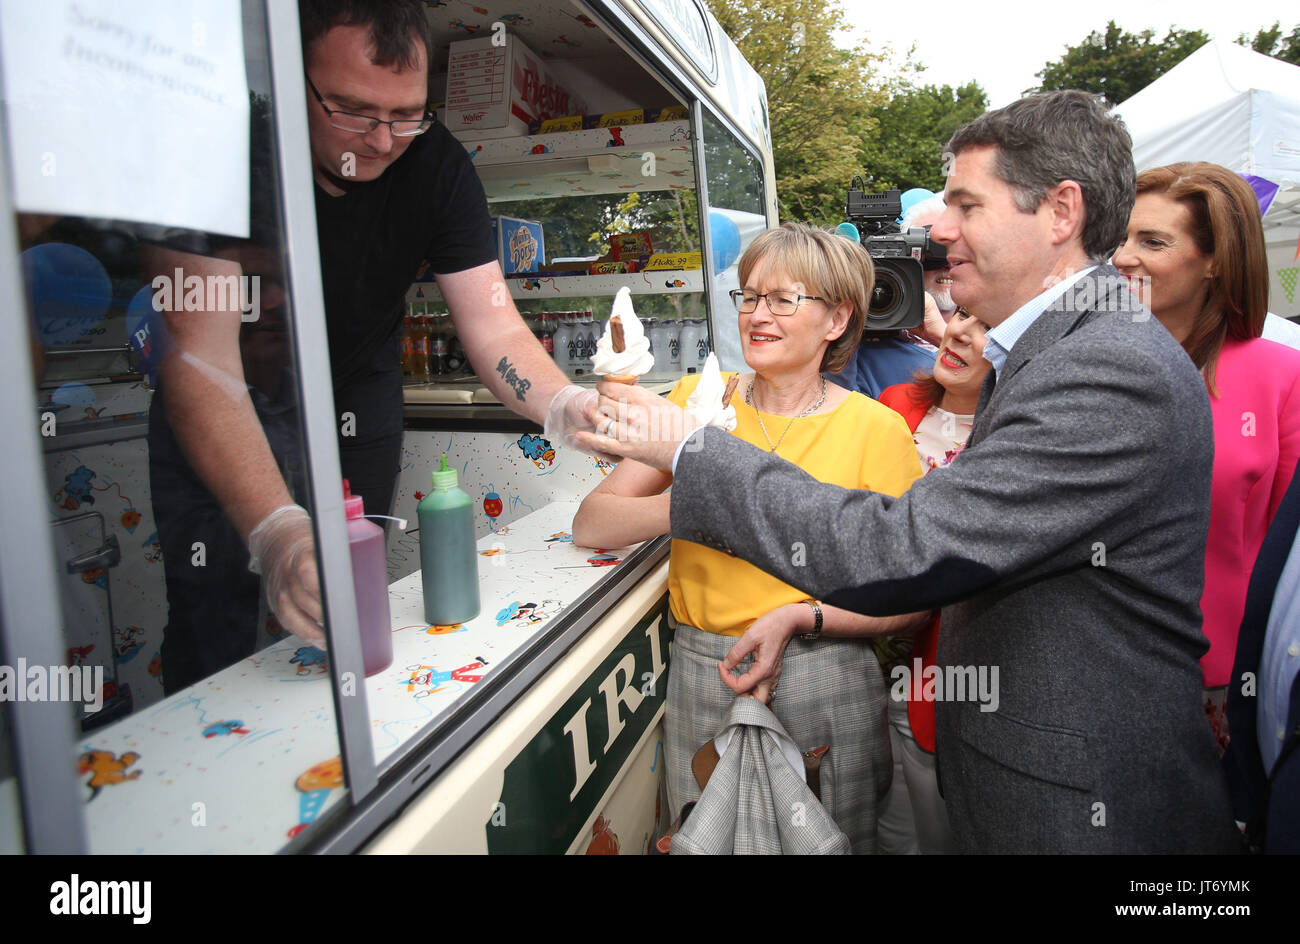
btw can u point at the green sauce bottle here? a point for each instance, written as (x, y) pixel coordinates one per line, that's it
(448, 551)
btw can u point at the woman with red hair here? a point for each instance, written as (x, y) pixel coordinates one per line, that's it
(1195, 255)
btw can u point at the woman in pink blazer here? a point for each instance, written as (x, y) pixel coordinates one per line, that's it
(1195, 254)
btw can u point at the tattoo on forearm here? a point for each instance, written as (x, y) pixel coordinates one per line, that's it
(519, 384)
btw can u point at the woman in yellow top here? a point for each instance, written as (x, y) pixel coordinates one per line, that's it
(801, 312)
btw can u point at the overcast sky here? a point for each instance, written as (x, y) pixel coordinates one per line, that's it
(1001, 45)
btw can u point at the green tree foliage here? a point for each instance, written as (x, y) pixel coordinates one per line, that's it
(1271, 42)
(1117, 64)
(905, 149)
(821, 97)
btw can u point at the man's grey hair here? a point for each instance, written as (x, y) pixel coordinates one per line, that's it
(932, 205)
(1046, 138)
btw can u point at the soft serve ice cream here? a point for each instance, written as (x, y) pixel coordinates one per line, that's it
(710, 402)
(627, 361)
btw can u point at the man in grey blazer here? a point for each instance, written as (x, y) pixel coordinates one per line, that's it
(1065, 544)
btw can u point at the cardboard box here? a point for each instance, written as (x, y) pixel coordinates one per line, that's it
(553, 125)
(520, 244)
(667, 113)
(563, 268)
(623, 246)
(497, 90)
(613, 268)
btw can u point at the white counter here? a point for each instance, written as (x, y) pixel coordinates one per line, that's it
(248, 758)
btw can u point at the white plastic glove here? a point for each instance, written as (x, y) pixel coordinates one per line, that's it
(567, 414)
(283, 551)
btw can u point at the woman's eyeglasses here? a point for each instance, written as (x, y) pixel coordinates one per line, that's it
(778, 303)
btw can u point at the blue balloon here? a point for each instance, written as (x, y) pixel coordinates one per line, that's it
(725, 236)
(74, 394)
(146, 331)
(914, 196)
(68, 292)
(849, 231)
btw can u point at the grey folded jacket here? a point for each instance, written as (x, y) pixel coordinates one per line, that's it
(756, 803)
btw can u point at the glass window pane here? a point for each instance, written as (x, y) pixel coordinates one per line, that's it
(11, 810)
(735, 181)
(168, 394)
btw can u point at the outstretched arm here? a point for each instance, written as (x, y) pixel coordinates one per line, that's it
(1055, 475)
(628, 506)
(509, 360)
(217, 429)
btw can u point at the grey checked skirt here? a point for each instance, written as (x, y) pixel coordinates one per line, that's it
(830, 692)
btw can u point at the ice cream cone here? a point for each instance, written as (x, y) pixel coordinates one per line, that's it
(623, 350)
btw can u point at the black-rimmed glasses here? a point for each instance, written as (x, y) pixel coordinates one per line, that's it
(778, 303)
(364, 124)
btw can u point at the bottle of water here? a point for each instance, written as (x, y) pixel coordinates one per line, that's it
(586, 334)
(562, 341)
(648, 325)
(694, 345)
(666, 342)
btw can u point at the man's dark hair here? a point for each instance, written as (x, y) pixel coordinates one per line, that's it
(1046, 138)
(395, 27)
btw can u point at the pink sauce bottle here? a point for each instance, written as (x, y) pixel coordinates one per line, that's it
(370, 580)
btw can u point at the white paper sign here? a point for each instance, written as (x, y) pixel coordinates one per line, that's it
(128, 110)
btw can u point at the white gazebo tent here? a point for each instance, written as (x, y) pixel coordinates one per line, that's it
(1230, 105)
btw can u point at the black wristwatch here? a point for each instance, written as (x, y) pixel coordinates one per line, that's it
(817, 622)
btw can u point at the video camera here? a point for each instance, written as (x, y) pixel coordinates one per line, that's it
(897, 299)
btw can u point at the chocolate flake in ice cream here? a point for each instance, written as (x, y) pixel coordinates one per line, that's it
(624, 365)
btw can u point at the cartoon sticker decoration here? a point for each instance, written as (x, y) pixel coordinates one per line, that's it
(106, 769)
(153, 549)
(77, 654)
(310, 661)
(223, 728)
(426, 680)
(127, 642)
(493, 506)
(528, 614)
(315, 784)
(438, 630)
(537, 449)
(76, 488)
(98, 577)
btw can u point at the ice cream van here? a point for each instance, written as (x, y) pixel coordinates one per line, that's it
(620, 144)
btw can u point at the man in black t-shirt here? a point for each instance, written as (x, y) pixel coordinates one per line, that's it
(392, 189)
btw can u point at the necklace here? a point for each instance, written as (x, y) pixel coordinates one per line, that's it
(749, 398)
